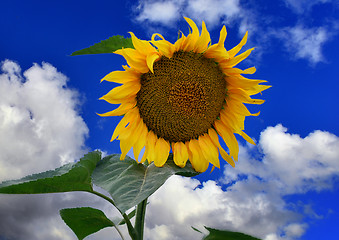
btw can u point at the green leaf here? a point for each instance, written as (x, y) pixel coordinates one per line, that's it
(106, 46)
(85, 221)
(129, 183)
(215, 234)
(70, 177)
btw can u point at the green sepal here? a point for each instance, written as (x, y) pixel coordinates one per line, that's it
(69, 177)
(215, 234)
(129, 183)
(85, 220)
(106, 46)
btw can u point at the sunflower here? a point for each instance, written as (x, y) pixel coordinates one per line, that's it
(179, 97)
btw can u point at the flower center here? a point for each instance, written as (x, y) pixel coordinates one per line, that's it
(183, 97)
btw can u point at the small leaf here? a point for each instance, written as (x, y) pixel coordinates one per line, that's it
(85, 221)
(129, 183)
(106, 46)
(70, 177)
(195, 229)
(215, 234)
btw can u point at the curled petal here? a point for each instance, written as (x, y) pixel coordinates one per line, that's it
(127, 138)
(218, 51)
(142, 46)
(235, 60)
(215, 139)
(134, 59)
(165, 48)
(130, 117)
(151, 58)
(229, 138)
(237, 48)
(204, 39)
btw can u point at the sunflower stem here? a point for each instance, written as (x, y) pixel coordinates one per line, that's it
(130, 227)
(140, 219)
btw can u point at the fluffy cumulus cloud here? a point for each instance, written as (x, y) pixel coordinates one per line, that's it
(255, 191)
(40, 127)
(165, 12)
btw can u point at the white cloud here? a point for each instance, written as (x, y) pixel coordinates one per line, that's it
(305, 43)
(164, 12)
(256, 189)
(293, 164)
(212, 11)
(167, 12)
(40, 127)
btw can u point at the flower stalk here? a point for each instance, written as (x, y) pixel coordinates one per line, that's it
(140, 219)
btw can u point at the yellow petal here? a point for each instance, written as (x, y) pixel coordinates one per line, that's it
(150, 146)
(151, 58)
(199, 163)
(180, 154)
(215, 139)
(193, 37)
(241, 95)
(247, 138)
(122, 77)
(242, 82)
(229, 71)
(121, 92)
(239, 107)
(209, 150)
(235, 60)
(164, 47)
(142, 46)
(204, 39)
(178, 45)
(237, 48)
(162, 149)
(229, 138)
(218, 51)
(141, 141)
(257, 89)
(121, 110)
(228, 121)
(127, 138)
(134, 59)
(130, 116)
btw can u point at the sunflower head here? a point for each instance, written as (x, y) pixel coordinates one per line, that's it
(179, 97)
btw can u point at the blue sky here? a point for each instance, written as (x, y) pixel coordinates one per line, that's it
(284, 188)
